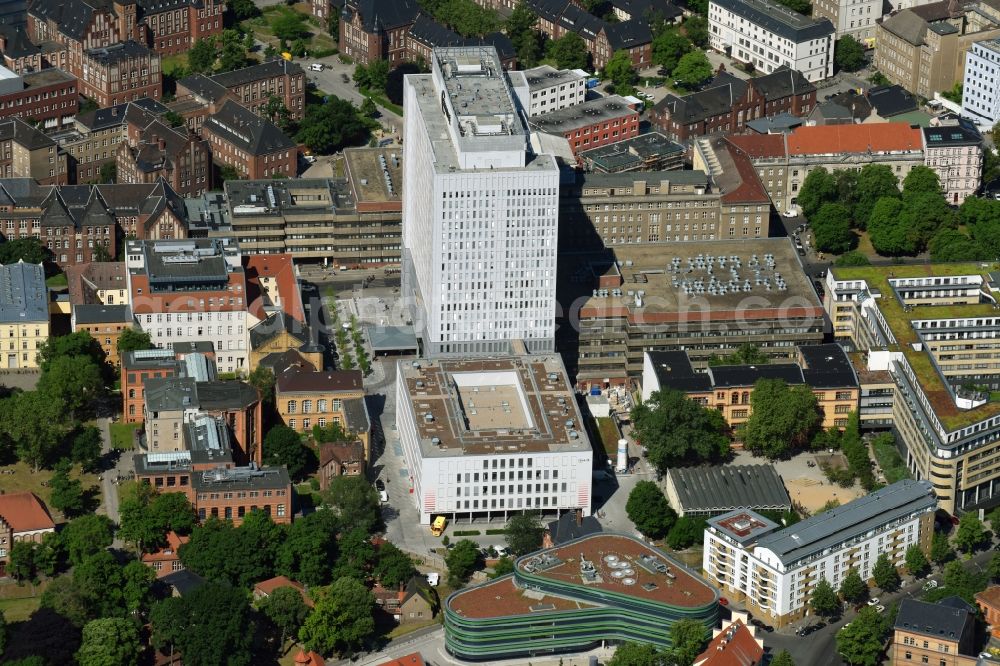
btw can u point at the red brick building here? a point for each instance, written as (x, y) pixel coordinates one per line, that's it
(26, 152)
(137, 367)
(179, 157)
(167, 560)
(48, 97)
(120, 73)
(376, 29)
(592, 124)
(23, 517)
(340, 460)
(728, 103)
(255, 147)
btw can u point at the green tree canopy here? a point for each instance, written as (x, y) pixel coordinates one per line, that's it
(889, 231)
(569, 51)
(213, 624)
(688, 639)
(243, 9)
(520, 28)
(111, 641)
(921, 180)
(832, 228)
(357, 555)
(620, 70)
(861, 643)
(393, 567)
(971, 533)
(286, 610)
(74, 381)
(875, 181)
(916, 562)
(134, 339)
(782, 418)
(686, 532)
(640, 654)
(289, 25)
(34, 424)
(848, 54)
(461, 561)
(852, 258)
(745, 354)
(85, 536)
(354, 500)
(30, 250)
(220, 552)
(783, 658)
(331, 126)
(941, 550)
(993, 567)
(648, 508)
(677, 431)
(67, 492)
(818, 188)
(283, 446)
(885, 574)
(668, 48)
(693, 69)
(696, 29)
(853, 588)
(824, 600)
(341, 620)
(308, 549)
(86, 448)
(524, 533)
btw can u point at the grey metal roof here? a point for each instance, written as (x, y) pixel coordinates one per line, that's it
(827, 366)
(843, 523)
(747, 375)
(391, 338)
(582, 115)
(247, 130)
(356, 415)
(23, 295)
(962, 134)
(935, 620)
(778, 19)
(264, 70)
(118, 52)
(102, 314)
(723, 488)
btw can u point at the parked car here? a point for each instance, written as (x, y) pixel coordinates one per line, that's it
(880, 608)
(316, 67)
(433, 579)
(383, 497)
(873, 601)
(930, 585)
(379, 485)
(791, 212)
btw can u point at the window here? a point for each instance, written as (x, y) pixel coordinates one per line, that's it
(292, 406)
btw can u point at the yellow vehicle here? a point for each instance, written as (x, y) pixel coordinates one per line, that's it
(287, 56)
(437, 527)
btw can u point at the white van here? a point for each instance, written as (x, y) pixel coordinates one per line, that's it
(316, 67)
(433, 579)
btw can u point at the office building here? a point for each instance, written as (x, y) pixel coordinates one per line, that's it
(252, 87)
(825, 369)
(354, 221)
(934, 633)
(480, 211)
(773, 570)
(120, 73)
(48, 97)
(932, 329)
(179, 157)
(645, 298)
(553, 89)
(305, 397)
(981, 84)
(492, 437)
(192, 291)
(617, 587)
(24, 314)
(768, 35)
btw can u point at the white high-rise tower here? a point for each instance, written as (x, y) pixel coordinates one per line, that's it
(480, 211)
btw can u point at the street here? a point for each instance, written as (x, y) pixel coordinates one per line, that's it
(331, 81)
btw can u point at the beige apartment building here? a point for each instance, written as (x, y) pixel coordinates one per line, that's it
(24, 314)
(604, 210)
(923, 48)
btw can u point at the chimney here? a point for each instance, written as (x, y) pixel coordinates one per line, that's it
(161, 143)
(579, 517)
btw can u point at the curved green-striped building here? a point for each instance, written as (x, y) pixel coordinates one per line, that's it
(599, 588)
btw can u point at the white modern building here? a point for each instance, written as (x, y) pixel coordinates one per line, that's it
(487, 437)
(775, 569)
(981, 85)
(191, 291)
(480, 212)
(851, 17)
(551, 89)
(768, 35)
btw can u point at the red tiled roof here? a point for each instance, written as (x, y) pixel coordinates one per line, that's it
(735, 646)
(414, 659)
(877, 138)
(267, 587)
(280, 268)
(760, 145)
(310, 658)
(990, 596)
(24, 512)
(750, 188)
(170, 551)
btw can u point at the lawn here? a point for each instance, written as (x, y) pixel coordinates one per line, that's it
(18, 602)
(57, 280)
(379, 98)
(318, 43)
(25, 480)
(409, 628)
(171, 64)
(121, 435)
(891, 462)
(608, 433)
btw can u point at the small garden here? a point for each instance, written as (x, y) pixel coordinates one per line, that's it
(293, 30)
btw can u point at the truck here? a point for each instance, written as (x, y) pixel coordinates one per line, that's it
(437, 527)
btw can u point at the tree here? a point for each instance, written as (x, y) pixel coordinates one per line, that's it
(668, 48)
(686, 532)
(875, 181)
(502, 567)
(49, 554)
(648, 508)
(262, 379)
(357, 555)
(852, 258)
(621, 72)
(848, 54)
(640, 654)
(229, 172)
(137, 590)
(175, 120)
(111, 641)
(885, 574)
(237, 556)
(688, 638)
(941, 551)
(781, 418)
(696, 29)
(524, 533)
(213, 624)
(745, 354)
(341, 620)
(283, 446)
(861, 643)
(394, 567)
(824, 600)
(285, 608)
(692, 70)
(461, 560)
(86, 448)
(75, 381)
(852, 588)
(520, 27)
(34, 423)
(818, 188)
(136, 524)
(832, 228)
(783, 658)
(569, 51)
(289, 25)
(921, 180)
(108, 173)
(244, 9)
(916, 562)
(76, 344)
(993, 567)
(134, 339)
(354, 499)
(64, 597)
(889, 231)
(3, 633)
(677, 431)
(957, 580)
(233, 53)
(22, 560)
(800, 6)
(100, 583)
(86, 536)
(993, 518)
(308, 548)
(971, 533)
(328, 127)
(953, 245)
(29, 250)
(368, 108)
(67, 493)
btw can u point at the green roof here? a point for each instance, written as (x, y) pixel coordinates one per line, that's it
(899, 321)
(920, 118)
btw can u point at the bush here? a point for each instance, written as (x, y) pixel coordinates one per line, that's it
(495, 532)
(459, 533)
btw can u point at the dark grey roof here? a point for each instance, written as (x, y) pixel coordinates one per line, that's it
(629, 34)
(118, 52)
(216, 395)
(632, 153)
(582, 115)
(935, 620)
(429, 32)
(243, 478)
(673, 370)
(724, 376)
(566, 528)
(247, 130)
(264, 70)
(356, 415)
(140, 112)
(778, 19)
(578, 20)
(71, 16)
(102, 314)
(827, 366)
(717, 98)
(643, 8)
(379, 15)
(679, 176)
(24, 134)
(843, 523)
(203, 86)
(781, 83)
(18, 44)
(775, 124)
(184, 581)
(23, 294)
(717, 489)
(891, 101)
(499, 41)
(175, 393)
(962, 134)
(550, 10)
(275, 324)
